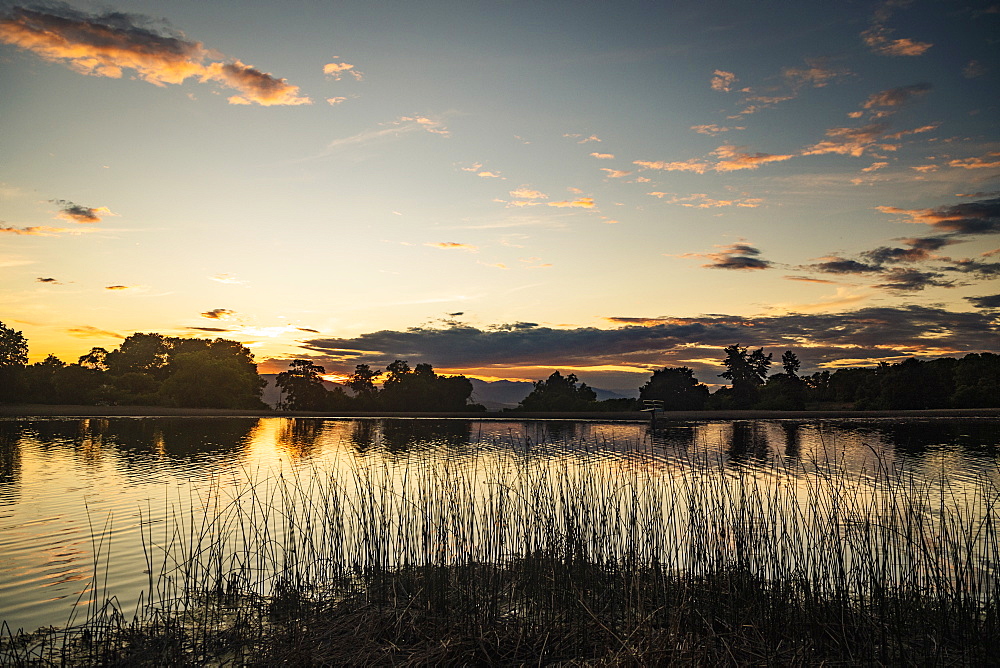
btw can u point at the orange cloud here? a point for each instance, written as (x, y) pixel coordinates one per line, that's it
(333, 101)
(703, 201)
(976, 163)
(218, 314)
(527, 193)
(848, 141)
(451, 245)
(723, 81)
(875, 166)
(338, 70)
(36, 231)
(732, 159)
(693, 165)
(615, 173)
(76, 213)
(880, 43)
(106, 45)
(602, 156)
(582, 203)
(88, 332)
(712, 129)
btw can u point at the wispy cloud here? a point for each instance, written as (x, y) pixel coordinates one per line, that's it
(527, 193)
(88, 332)
(118, 287)
(397, 128)
(228, 279)
(603, 156)
(581, 203)
(451, 245)
(49, 280)
(731, 158)
(107, 44)
(703, 201)
(712, 130)
(582, 139)
(615, 173)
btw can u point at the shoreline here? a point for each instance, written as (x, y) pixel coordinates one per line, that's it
(47, 410)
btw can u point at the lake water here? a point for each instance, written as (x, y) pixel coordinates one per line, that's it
(93, 507)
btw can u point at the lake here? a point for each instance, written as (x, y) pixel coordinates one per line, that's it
(99, 507)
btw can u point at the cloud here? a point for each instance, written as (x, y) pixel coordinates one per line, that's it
(581, 139)
(901, 279)
(450, 245)
(88, 332)
(338, 70)
(839, 265)
(816, 74)
(401, 126)
(647, 343)
(527, 193)
(895, 97)
(615, 173)
(210, 329)
(488, 175)
(738, 257)
(986, 301)
(875, 166)
(333, 101)
(880, 42)
(703, 201)
(974, 69)
(723, 81)
(218, 314)
(306, 329)
(977, 163)
(848, 141)
(603, 156)
(118, 287)
(879, 37)
(48, 280)
(581, 203)
(693, 165)
(919, 249)
(107, 44)
(732, 159)
(228, 279)
(40, 231)
(981, 217)
(76, 213)
(712, 129)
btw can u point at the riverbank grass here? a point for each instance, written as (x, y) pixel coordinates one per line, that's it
(560, 562)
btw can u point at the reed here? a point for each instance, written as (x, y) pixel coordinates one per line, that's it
(539, 557)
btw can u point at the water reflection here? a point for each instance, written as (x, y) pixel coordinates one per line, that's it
(10, 463)
(60, 476)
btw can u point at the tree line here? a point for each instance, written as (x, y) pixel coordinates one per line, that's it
(155, 370)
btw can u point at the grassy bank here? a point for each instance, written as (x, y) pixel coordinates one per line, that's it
(525, 559)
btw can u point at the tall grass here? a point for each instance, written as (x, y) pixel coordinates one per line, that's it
(539, 558)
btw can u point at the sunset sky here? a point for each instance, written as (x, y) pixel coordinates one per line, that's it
(503, 189)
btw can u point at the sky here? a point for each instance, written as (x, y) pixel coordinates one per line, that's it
(504, 189)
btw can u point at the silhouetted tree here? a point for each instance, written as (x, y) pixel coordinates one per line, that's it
(420, 389)
(677, 388)
(746, 371)
(208, 379)
(790, 363)
(302, 386)
(559, 393)
(362, 383)
(13, 359)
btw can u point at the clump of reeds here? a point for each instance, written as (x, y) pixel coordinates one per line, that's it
(535, 559)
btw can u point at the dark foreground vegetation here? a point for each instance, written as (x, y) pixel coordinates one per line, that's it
(156, 370)
(526, 562)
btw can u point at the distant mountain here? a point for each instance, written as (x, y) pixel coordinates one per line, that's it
(500, 394)
(494, 395)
